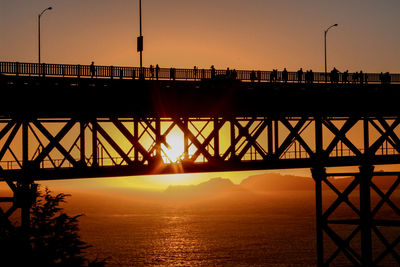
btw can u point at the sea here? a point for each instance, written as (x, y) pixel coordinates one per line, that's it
(233, 229)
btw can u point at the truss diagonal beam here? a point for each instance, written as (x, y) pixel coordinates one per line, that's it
(10, 138)
(386, 198)
(341, 198)
(131, 138)
(113, 144)
(297, 136)
(7, 128)
(342, 248)
(347, 250)
(207, 141)
(289, 139)
(389, 131)
(232, 147)
(55, 142)
(345, 199)
(251, 140)
(394, 137)
(193, 139)
(340, 135)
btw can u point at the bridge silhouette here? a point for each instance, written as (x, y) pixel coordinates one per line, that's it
(59, 122)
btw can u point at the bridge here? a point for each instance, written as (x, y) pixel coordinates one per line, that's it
(68, 121)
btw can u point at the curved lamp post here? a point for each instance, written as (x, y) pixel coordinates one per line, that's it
(325, 32)
(39, 16)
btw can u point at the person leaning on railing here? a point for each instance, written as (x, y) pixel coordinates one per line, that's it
(92, 69)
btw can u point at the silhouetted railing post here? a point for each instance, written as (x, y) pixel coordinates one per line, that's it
(17, 68)
(111, 72)
(44, 69)
(79, 71)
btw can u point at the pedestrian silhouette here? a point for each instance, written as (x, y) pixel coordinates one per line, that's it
(92, 69)
(345, 76)
(195, 72)
(300, 75)
(172, 74)
(234, 74)
(121, 74)
(307, 77)
(157, 71)
(285, 75)
(259, 76)
(212, 72)
(387, 78)
(252, 76)
(311, 76)
(361, 77)
(334, 76)
(228, 73)
(355, 77)
(152, 71)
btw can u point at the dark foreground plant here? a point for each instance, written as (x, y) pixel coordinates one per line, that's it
(53, 238)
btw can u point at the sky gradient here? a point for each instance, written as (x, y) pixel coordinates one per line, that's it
(254, 34)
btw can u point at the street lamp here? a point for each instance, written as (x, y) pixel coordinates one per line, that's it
(39, 16)
(140, 40)
(326, 31)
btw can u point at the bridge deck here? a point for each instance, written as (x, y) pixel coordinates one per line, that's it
(60, 96)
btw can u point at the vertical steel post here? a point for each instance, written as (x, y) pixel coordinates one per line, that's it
(276, 135)
(269, 138)
(94, 144)
(366, 136)
(25, 144)
(136, 136)
(186, 139)
(319, 174)
(82, 143)
(158, 139)
(233, 145)
(365, 176)
(216, 138)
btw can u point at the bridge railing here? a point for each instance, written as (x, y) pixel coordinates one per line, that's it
(118, 72)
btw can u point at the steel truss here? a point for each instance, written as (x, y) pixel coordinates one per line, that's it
(362, 239)
(58, 148)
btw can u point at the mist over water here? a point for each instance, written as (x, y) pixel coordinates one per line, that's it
(264, 221)
(263, 230)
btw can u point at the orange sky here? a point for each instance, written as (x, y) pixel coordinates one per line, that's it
(254, 34)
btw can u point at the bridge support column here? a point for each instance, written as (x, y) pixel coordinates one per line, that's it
(24, 196)
(319, 174)
(365, 176)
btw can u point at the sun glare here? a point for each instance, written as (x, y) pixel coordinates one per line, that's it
(175, 150)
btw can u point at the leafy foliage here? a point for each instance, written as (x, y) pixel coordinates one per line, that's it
(53, 237)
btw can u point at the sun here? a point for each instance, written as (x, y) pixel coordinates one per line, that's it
(175, 150)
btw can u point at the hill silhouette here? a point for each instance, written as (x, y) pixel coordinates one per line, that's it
(271, 182)
(214, 185)
(277, 182)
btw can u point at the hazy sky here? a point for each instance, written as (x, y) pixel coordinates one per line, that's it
(251, 34)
